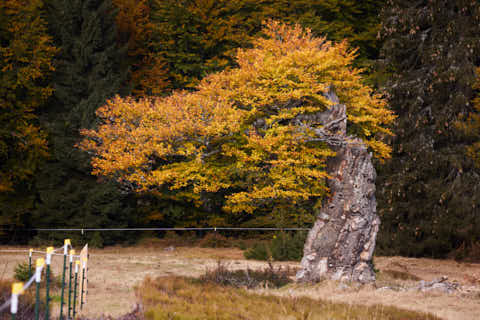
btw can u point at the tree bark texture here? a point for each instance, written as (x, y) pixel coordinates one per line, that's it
(340, 245)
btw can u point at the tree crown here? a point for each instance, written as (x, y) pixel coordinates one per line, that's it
(248, 132)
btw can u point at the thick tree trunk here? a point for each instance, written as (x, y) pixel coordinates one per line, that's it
(340, 245)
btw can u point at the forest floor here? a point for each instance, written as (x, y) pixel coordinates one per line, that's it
(115, 272)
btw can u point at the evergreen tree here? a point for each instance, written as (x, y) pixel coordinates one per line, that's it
(26, 53)
(198, 37)
(356, 21)
(471, 126)
(90, 69)
(429, 193)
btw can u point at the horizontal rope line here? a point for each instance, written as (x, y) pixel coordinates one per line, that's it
(24, 288)
(39, 252)
(167, 229)
(7, 303)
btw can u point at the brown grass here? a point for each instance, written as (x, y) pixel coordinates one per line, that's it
(115, 271)
(180, 298)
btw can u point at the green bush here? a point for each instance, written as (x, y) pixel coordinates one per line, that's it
(241, 245)
(21, 272)
(283, 247)
(259, 251)
(214, 240)
(269, 277)
(96, 241)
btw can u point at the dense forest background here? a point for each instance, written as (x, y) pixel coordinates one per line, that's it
(61, 60)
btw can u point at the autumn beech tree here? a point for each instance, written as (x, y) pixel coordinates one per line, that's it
(250, 130)
(256, 134)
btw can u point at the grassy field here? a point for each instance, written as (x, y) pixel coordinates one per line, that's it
(115, 272)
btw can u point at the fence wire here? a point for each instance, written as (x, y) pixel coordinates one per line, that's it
(169, 229)
(7, 303)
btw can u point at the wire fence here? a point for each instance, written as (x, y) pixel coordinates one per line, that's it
(166, 229)
(76, 262)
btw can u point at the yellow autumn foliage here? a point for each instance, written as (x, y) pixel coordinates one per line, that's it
(237, 133)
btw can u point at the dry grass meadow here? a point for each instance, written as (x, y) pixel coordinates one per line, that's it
(115, 272)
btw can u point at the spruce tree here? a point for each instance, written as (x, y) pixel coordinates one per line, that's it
(198, 37)
(26, 53)
(90, 69)
(429, 193)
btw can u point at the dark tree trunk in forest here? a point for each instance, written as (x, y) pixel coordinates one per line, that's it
(340, 245)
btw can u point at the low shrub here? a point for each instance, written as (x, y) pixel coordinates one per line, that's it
(215, 240)
(259, 251)
(96, 241)
(268, 277)
(172, 238)
(240, 244)
(22, 272)
(283, 247)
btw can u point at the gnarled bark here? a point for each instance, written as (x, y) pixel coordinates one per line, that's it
(340, 245)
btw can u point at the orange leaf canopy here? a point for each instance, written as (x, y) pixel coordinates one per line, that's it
(239, 133)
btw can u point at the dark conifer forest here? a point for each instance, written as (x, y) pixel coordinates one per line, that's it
(68, 67)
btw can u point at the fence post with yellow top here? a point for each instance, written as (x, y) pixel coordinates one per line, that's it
(47, 294)
(17, 289)
(65, 252)
(77, 264)
(38, 277)
(72, 252)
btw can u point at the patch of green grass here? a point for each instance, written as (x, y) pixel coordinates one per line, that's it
(185, 299)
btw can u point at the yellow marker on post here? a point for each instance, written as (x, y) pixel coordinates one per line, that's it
(38, 271)
(40, 263)
(17, 289)
(49, 255)
(30, 252)
(72, 252)
(38, 277)
(66, 243)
